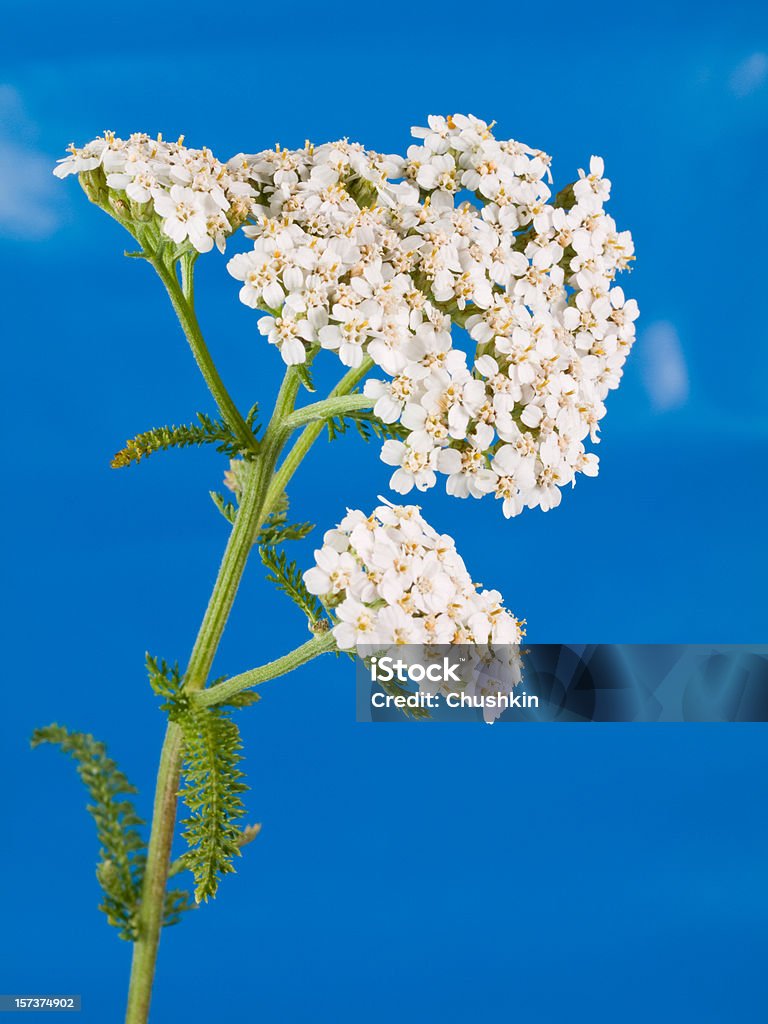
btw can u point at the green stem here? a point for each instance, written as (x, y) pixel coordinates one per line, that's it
(261, 490)
(340, 405)
(181, 296)
(245, 528)
(310, 434)
(251, 514)
(318, 645)
(152, 906)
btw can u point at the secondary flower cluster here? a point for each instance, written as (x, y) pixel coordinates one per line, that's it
(197, 198)
(390, 578)
(379, 256)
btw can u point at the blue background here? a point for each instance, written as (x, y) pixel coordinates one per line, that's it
(446, 873)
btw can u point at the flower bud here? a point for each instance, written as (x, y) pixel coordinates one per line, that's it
(94, 184)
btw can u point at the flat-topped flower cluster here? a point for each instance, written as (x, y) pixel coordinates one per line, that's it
(196, 198)
(390, 578)
(381, 257)
(374, 255)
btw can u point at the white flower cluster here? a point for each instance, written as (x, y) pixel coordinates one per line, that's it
(325, 258)
(389, 578)
(377, 255)
(197, 198)
(380, 256)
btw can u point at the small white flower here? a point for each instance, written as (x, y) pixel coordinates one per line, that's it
(333, 573)
(357, 625)
(415, 469)
(184, 214)
(289, 334)
(351, 331)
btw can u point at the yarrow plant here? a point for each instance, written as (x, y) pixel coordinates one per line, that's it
(478, 320)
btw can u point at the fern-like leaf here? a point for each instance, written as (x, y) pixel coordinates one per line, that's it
(166, 682)
(211, 777)
(123, 853)
(277, 528)
(177, 902)
(289, 578)
(250, 419)
(305, 376)
(245, 836)
(227, 508)
(213, 783)
(367, 425)
(207, 430)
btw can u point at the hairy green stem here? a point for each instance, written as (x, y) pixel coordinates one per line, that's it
(152, 906)
(181, 299)
(340, 405)
(250, 517)
(246, 525)
(263, 486)
(251, 514)
(321, 644)
(310, 434)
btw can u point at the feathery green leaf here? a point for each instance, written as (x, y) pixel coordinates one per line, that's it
(177, 901)
(166, 681)
(123, 852)
(211, 777)
(250, 419)
(367, 425)
(212, 787)
(245, 836)
(277, 528)
(305, 376)
(289, 578)
(206, 431)
(227, 508)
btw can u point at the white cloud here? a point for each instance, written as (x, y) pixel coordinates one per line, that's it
(748, 76)
(665, 373)
(28, 201)
(11, 107)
